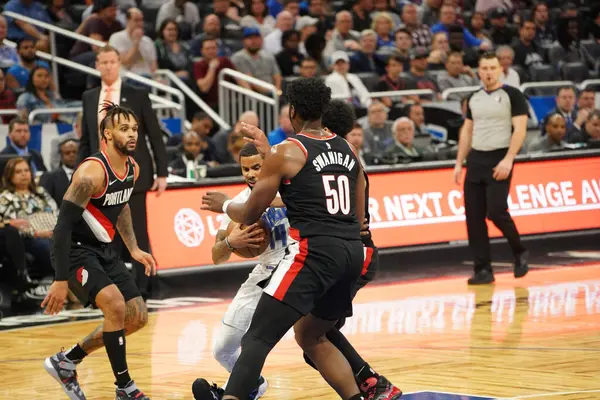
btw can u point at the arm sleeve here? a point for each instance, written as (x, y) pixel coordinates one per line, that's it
(518, 102)
(69, 215)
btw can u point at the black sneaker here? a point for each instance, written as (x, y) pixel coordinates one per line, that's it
(202, 390)
(63, 370)
(521, 265)
(481, 277)
(130, 392)
(260, 389)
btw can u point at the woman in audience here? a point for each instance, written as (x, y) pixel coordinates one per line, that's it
(8, 55)
(289, 58)
(439, 51)
(38, 95)
(22, 205)
(383, 24)
(172, 53)
(477, 25)
(258, 17)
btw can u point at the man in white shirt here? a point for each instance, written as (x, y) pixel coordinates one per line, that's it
(509, 76)
(272, 42)
(138, 53)
(345, 85)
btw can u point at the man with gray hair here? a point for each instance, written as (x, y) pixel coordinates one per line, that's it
(285, 22)
(403, 149)
(378, 133)
(509, 76)
(365, 60)
(343, 37)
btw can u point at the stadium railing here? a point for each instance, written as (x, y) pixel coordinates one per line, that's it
(75, 110)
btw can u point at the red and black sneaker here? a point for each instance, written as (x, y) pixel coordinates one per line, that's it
(379, 388)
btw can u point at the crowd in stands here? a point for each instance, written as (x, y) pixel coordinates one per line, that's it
(357, 47)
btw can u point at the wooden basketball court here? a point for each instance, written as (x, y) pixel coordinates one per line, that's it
(538, 337)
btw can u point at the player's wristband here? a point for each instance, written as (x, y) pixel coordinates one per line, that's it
(229, 246)
(225, 205)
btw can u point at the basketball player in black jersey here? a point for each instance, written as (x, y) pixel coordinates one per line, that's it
(321, 182)
(94, 206)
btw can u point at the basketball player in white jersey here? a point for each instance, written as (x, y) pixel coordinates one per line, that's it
(239, 314)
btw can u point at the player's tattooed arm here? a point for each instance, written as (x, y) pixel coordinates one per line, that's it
(87, 180)
(220, 251)
(125, 228)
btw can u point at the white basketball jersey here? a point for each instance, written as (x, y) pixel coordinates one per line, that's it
(276, 220)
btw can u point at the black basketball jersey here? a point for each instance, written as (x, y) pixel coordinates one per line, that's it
(367, 240)
(321, 198)
(99, 219)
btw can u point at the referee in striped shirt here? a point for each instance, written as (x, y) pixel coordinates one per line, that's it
(491, 137)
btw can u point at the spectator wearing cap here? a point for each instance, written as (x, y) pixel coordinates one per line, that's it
(418, 77)
(18, 30)
(509, 76)
(289, 58)
(448, 18)
(500, 33)
(527, 52)
(346, 85)
(307, 26)
(184, 12)
(100, 26)
(420, 33)
(404, 42)
(255, 62)
(544, 33)
(211, 27)
(391, 81)
(206, 71)
(365, 60)
(556, 130)
(343, 37)
(258, 17)
(272, 42)
(361, 14)
(457, 75)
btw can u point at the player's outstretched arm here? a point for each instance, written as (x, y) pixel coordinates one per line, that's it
(125, 228)
(87, 180)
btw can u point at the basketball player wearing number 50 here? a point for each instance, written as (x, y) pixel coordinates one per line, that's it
(94, 207)
(239, 314)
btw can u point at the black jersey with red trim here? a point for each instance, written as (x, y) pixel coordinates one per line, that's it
(99, 220)
(321, 198)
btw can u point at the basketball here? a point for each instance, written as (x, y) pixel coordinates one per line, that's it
(249, 252)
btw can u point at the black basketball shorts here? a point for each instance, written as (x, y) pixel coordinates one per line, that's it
(95, 267)
(318, 276)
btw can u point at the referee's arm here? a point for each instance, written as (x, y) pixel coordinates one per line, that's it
(464, 146)
(519, 113)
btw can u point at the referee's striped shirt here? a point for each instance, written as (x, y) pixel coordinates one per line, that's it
(491, 113)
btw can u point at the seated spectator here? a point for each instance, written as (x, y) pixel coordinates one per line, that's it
(383, 25)
(75, 136)
(592, 27)
(556, 130)
(418, 77)
(509, 76)
(19, 135)
(477, 26)
(229, 21)
(568, 41)
(307, 26)
(591, 128)
(343, 37)
(457, 75)
(211, 27)
(100, 26)
(38, 94)
(344, 84)
(527, 52)
(308, 68)
(586, 100)
(20, 200)
(387, 6)
(545, 34)
(448, 18)
(253, 61)
(315, 45)
(184, 12)
(356, 137)
(57, 11)
(138, 53)
(377, 128)
(8, 55)
(402, 150)
(285, 129)
(8, 100)
(391, 81)
(290, 57)
(403, 46)
(19, 30)
(193, 153)
(258, 17)
(365, 60)
(272, 43)
(565, 106)
(439, 51)
(17, 76)
(172, 53)
(500, 33)
(221, 138)
(56, 182)
(419, 32)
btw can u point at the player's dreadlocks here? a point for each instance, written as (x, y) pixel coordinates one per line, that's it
(113, 110)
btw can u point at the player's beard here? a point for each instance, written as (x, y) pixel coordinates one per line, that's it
(122, 148)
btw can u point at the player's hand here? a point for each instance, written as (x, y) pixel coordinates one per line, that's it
(20, 224)
(257, 137)
(213, 201)
(250, 237)
(457, 173)
(56, 297)
(364, 229)
(146, 259)
(160, 185)
(44, 234)
(502, 170)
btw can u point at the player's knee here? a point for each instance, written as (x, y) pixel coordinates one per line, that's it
(305, 339)
(136, 316)
(111, 302)
(497, 215)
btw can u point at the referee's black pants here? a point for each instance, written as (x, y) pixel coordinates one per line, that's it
(486, 197)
